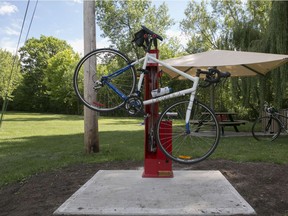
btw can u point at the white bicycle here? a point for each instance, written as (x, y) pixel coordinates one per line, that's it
(195, 131)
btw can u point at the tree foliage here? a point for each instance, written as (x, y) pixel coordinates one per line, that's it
(259, 26)
(47, 63)
(37, 91)
(277, 42)
(233, 25)
(10, 76)
(201, 25)
(120, 20)
(58, 75)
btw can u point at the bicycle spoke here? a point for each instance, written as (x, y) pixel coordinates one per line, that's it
(101, 63)
(266, 129)
(184, 146)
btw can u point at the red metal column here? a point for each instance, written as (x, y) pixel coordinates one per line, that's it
(156, 164)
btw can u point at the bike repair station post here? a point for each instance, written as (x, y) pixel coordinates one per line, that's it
(156, 164)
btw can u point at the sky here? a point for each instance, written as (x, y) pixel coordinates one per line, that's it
(62, 19)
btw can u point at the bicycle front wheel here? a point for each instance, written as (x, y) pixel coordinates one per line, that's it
(266, 129)
(107, 94)
(187, 143)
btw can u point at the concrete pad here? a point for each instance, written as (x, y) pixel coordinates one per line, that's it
(125, 192)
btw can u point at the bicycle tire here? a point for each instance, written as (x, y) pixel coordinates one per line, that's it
(266, 128)
(188, 148)
(104, 62)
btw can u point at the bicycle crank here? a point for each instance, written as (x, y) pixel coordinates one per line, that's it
(133, 105)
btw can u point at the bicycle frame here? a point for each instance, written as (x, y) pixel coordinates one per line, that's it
(195, 80)
(278, 116)
(148, 57)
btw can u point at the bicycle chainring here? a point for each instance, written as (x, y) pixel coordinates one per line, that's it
(133, 105)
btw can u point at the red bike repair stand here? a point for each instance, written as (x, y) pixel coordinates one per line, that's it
(156, 164)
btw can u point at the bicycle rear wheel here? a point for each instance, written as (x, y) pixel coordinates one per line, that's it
(104, 63)
(266, 129)
(193, 143)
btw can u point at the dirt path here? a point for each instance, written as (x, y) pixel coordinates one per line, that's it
(264, 186)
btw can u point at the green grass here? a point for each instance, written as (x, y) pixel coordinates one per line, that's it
(244, 149)
(34, 143)
(248, 149)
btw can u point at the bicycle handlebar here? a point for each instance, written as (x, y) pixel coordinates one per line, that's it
(269, 109)
(213, 75)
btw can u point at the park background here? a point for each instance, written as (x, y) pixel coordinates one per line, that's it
(40, 78)
(41, 137)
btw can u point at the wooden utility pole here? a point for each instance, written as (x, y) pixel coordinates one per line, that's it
(91, 137)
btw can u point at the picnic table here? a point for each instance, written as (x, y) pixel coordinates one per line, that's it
(227, 119)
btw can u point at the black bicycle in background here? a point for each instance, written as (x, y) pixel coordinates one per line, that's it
(270, 126)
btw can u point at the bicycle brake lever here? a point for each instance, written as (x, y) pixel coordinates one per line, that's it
(225, 74)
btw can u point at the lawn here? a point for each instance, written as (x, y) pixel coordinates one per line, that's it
(31, 143)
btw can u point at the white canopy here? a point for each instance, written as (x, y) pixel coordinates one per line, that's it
(236, 62)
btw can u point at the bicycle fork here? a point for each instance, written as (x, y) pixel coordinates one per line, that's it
(283, 127)
(188, 113)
